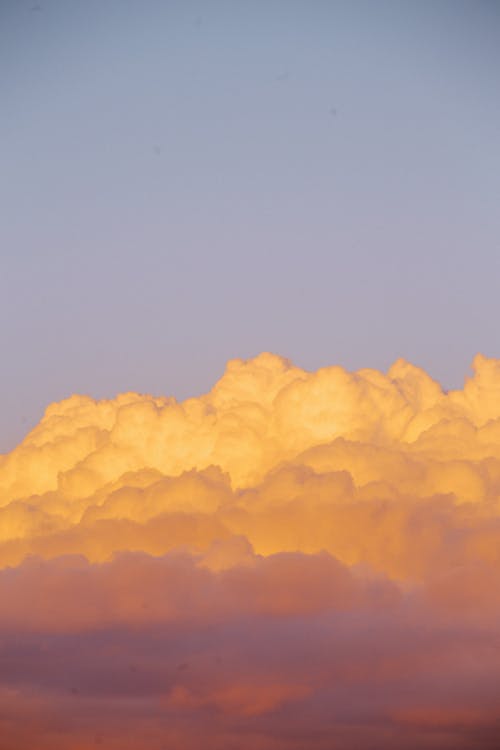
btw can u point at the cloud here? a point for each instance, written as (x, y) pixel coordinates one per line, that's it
(291, 560)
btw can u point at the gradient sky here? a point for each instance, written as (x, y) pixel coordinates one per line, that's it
(187, 182)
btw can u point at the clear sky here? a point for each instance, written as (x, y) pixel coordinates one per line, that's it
(187, 182)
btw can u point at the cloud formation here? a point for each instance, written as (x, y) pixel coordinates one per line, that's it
(292, 560)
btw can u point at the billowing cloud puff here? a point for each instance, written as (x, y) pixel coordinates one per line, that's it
(293, 560)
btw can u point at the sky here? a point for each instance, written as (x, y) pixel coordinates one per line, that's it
(233, 513)
(184, 183)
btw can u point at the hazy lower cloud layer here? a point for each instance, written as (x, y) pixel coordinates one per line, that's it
(293, 560)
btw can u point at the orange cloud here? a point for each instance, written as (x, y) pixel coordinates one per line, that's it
(291, 560)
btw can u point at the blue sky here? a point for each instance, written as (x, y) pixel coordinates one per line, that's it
(186, 182)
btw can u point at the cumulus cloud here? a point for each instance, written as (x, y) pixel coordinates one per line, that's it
(291, 560)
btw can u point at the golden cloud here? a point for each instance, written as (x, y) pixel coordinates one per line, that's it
(255, 563)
